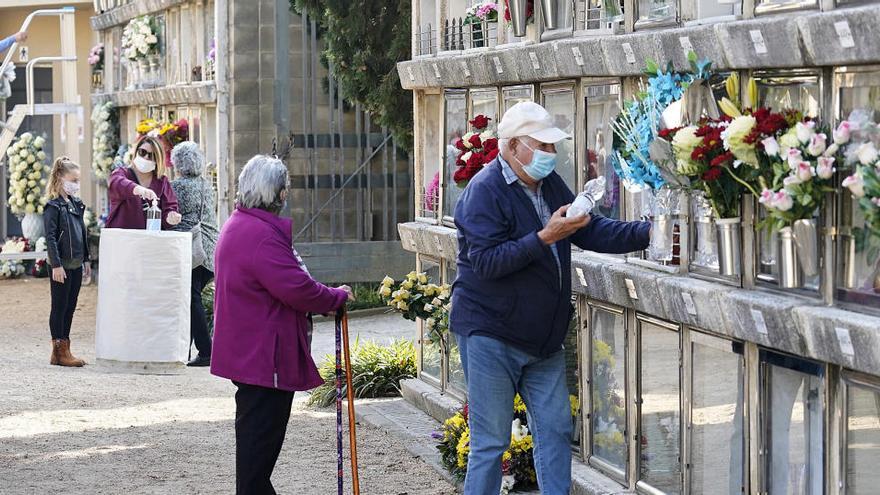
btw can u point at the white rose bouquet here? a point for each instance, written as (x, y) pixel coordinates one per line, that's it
(105, 138)
(27, 170)
(13, 268)
(139, 38)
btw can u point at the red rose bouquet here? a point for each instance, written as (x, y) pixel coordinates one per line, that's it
(476, 149)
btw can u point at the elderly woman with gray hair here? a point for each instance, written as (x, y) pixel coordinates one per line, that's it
(196, 205)
(264, 298)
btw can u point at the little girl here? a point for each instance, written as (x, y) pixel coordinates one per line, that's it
(67, 243)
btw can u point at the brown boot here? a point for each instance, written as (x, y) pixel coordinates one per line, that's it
(66, 358)
(56, 351)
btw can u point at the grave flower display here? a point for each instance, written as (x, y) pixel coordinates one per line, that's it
(476, 149)
(27, 169)
(140, 39)
(105, 138)
(415, 297)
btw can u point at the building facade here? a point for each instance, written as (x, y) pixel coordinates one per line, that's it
(247, 78)
(689, 381)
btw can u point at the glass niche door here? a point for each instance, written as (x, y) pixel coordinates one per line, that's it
(511, 95)
(716, 453)
(430, 352)
(605, 350)
(792, 424)
(861, 453)
(559, 100)
(857, 93)
(602, 103)
(800, 90)
(659, 406)
(455, 126)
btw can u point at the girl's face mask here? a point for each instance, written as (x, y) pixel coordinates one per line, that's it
(70, 188)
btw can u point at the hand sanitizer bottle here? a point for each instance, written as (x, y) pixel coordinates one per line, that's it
(586, 201)
(154, 217)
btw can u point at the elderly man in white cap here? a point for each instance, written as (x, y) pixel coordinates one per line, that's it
(511, 304)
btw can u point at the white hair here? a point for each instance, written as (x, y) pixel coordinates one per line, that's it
(188, 159)
(260, 183)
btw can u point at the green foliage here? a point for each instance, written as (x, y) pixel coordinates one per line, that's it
(363, 41)
(208, 303)
(366, 296)
(376, 371)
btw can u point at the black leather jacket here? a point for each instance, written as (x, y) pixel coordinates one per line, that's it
(66, 236)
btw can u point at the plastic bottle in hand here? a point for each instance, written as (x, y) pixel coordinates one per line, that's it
(585, 201)
(154, 217)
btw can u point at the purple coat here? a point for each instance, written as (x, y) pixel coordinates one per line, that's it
(261, 303)
(127, 210)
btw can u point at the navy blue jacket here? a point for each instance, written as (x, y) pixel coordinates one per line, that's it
(508, 285)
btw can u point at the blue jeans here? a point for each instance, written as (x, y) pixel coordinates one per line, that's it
(495, 372)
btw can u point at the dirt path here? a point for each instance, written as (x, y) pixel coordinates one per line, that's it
(85, 431)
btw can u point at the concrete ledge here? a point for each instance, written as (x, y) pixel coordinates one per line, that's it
(433, 402)
(796, 39)
(129, 11)
(196, 93)
(430, 239)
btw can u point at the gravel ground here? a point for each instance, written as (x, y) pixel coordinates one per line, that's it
(87, 431)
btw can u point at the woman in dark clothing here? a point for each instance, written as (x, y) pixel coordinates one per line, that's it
(195, 201)
(68, 249)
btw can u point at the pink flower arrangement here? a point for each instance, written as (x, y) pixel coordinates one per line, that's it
(96, 56)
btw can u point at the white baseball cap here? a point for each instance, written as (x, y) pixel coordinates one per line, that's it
(527, 118)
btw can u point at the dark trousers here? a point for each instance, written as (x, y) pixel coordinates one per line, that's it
(64, 297)
(198, 322)
(261, 416)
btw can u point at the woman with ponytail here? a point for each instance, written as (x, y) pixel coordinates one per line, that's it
(132, 189)
(68, 250)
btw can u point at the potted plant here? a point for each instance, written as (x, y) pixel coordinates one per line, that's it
(482, 18)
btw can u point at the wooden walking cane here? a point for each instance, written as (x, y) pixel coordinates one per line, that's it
(342, 345)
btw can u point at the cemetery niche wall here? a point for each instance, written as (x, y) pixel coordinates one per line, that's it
(730, 358)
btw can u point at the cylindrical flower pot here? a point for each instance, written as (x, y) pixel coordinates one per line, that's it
(518, 17)
(806, 238)
(790, 274)
(548, 9)
(660, 248)
(727, 232)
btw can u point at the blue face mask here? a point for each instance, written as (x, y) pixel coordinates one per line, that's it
(542, 163)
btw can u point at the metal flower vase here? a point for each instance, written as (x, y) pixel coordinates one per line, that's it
(548, 10)
(790, 274)
(807, 239)
(727, 232)
(518, 17)
(660, 248)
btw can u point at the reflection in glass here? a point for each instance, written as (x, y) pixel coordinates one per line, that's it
(796, 92)
(485, 102)
(608, 380)
(602, 109)
(560, 104)
(456, 372)
(705, 241)
(431, 156)
(515, 94)
(431, 352)
(862, 440)
(783, 2)
(599, 15)
(656, 10)
(717, 433)
(794, 426)
(456, 127)
(708, 9)
(860, 251)
(572, 376)
(660, 421)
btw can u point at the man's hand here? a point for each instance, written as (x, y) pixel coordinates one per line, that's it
(87, 270)
(58, 275)
(173, 218)
(21, 37)
(559, 227)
